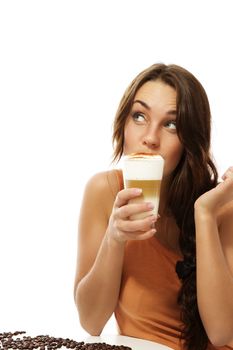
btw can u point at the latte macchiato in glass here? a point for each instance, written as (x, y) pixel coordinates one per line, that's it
(144, 171)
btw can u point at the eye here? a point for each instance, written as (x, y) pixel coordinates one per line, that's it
(138, 117)
(171, 124)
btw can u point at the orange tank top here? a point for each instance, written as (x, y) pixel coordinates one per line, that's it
(147, 307)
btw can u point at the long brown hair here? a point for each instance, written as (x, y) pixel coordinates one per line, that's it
(194, 175)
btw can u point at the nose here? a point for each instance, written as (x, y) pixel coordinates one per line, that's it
(151, 138)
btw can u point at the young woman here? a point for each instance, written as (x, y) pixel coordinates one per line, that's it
(169, 278)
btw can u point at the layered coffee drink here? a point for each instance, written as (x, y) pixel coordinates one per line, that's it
(144, 171)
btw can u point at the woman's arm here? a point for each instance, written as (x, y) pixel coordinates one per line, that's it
(214, 245)
(103, 230)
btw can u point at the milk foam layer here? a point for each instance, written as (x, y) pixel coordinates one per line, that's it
(143, 167)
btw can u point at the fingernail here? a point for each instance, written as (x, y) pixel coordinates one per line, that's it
(150, 206)
(137, 190)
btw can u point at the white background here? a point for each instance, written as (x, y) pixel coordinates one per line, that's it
(64, 66)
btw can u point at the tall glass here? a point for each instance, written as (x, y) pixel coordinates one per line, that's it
(144, 171)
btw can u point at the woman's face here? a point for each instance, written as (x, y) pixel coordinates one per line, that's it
(151, 125)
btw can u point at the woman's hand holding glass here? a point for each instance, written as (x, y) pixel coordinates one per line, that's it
(121, 227)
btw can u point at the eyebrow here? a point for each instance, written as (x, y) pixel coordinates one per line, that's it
(144, 104)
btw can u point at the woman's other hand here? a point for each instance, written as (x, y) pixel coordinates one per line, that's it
(212, 201)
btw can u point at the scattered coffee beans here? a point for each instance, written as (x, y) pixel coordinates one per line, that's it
(19, 340)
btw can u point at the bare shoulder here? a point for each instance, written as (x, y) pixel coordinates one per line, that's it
(105, 180)
(98, 199)
(103, 187)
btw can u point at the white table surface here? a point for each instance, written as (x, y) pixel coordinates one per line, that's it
(134, 343)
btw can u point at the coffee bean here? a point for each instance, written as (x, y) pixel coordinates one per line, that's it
(46, 342)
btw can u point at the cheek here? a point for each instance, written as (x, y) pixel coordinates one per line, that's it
(173, 158)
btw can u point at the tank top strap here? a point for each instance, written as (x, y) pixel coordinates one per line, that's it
(120, 179)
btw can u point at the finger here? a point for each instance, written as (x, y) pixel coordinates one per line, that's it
(136, 225)
(125, 195)
(134, 208)
(146, 235)
(139, 236)
(228, 173)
